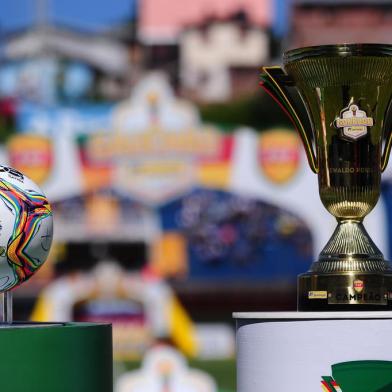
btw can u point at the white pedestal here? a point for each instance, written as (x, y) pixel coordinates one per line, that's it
(298, 351)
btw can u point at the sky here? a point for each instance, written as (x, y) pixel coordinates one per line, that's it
(85, 14)
(94, 15)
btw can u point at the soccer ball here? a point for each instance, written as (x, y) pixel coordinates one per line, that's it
(26, 228)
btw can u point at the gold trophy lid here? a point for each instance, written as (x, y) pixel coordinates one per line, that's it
(338, 50)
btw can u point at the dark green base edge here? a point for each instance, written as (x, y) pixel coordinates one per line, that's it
(69, 357)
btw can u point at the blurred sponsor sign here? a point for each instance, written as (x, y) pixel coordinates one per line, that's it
(159, 145)
(152, 146)
(32, 155)
(155, 165)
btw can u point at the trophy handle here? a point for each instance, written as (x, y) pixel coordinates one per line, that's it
(387, 151)
(276, 82)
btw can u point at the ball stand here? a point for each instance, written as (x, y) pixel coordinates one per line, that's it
(48, 357)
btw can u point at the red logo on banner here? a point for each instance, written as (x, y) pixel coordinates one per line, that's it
(32, 155)
(279, 155)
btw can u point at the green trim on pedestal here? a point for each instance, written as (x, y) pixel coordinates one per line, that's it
(69, 357)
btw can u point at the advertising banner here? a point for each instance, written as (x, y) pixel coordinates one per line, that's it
(32, 155)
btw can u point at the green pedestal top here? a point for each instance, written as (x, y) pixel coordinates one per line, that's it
(69, 357)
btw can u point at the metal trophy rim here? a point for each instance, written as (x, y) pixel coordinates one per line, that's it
(338, 50)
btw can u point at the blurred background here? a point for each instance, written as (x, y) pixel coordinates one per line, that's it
(180, 191)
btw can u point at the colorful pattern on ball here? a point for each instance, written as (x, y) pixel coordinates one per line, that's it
(29, 210)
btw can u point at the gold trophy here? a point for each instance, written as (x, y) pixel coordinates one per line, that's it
(339, 99)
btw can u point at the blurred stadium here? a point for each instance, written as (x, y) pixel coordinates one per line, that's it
(180, 191)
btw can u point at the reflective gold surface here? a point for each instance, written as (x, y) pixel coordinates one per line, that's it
(349, 170)
(338, 97)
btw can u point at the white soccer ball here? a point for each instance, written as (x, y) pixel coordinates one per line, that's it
(26, 228)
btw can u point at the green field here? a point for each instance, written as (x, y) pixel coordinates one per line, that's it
(223, 371)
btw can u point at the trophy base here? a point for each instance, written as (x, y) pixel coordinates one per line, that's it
(350, 291)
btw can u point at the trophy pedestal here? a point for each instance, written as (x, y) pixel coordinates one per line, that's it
(349, 291)
(299, 351)
(60, 357)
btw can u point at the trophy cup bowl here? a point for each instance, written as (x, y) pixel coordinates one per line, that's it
(339, 99)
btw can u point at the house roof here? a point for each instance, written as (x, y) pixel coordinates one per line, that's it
(99, 51)
(343, 2)
(161, 21)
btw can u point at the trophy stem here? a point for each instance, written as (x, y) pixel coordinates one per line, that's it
(350, 249)
(6, 316)
(350, 274)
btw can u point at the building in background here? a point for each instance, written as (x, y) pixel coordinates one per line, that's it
(220, 58)
(319, 22)
(211, 51)
(47, 64)
(161, 21)
(211, 46)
